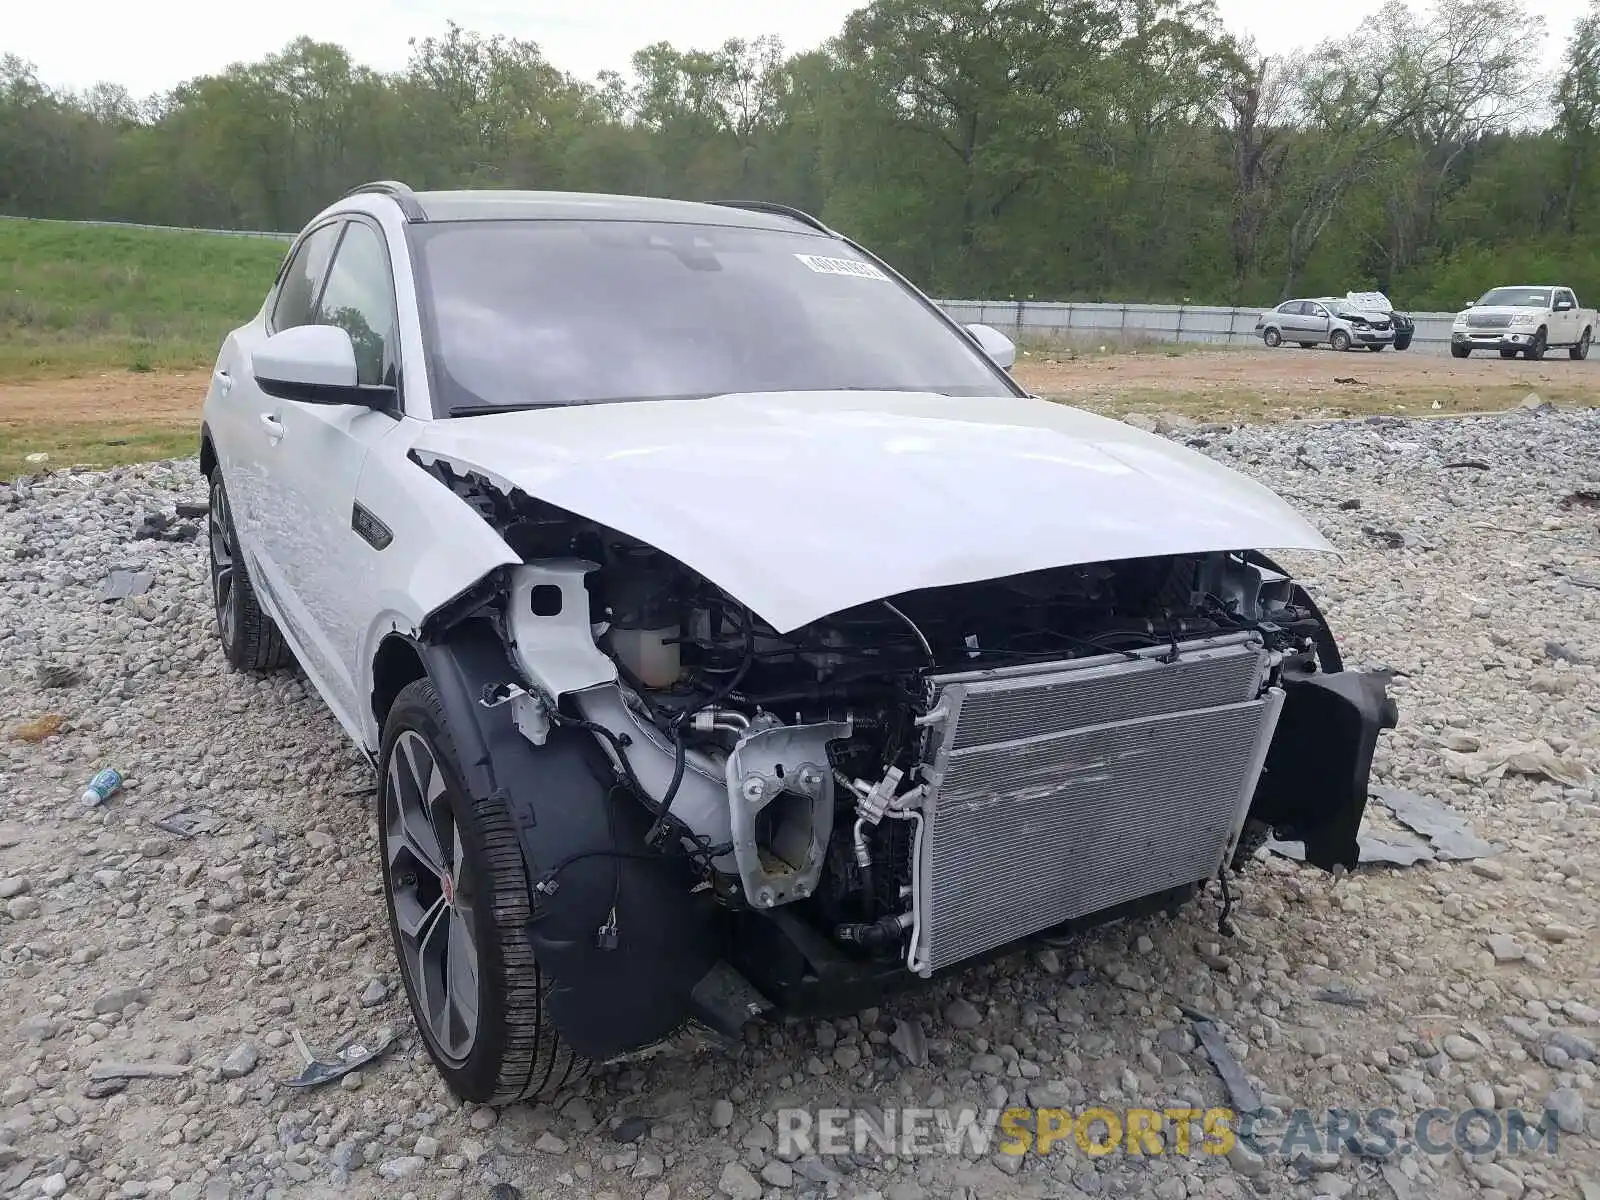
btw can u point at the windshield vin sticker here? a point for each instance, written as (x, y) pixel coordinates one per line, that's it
(841, 266)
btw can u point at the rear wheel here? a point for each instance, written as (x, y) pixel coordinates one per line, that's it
(1581, 350)
(1272, 338)
(458, 898)
(1460, 351)
(250, 639)
(1340, 340)
(1535, 350)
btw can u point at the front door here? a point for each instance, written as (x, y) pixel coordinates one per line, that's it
(315, 454)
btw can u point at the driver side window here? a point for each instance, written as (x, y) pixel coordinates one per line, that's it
(359, 298)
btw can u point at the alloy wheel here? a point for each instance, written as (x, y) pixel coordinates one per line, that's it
(433, 913)
(224, 594)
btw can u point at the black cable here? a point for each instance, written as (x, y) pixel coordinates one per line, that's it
(704, 851)
(675, 730)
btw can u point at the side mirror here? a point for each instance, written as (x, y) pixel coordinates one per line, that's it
(314, 364)
(1563, 306)
(995, 344)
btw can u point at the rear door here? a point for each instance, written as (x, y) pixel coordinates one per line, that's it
(315, 454)
(1290, 320)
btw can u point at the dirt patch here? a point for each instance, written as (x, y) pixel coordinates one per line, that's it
(98, 420)
(1303, 372)
(170, 396)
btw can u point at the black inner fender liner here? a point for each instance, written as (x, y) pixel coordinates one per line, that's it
(616, 928)
(1313, 787)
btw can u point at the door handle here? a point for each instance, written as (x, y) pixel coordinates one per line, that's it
(223, 380)
(273, 426)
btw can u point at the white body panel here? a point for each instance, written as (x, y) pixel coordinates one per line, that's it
(798, 504)
(803, 504)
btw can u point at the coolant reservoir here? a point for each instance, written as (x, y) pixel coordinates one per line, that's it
(650, 654)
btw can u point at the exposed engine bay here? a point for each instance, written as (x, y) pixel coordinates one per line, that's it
(924, 778)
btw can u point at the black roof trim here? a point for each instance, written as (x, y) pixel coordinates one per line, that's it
(781, 210)
(400, 193)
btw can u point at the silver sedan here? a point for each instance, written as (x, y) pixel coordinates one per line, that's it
(1309, 323)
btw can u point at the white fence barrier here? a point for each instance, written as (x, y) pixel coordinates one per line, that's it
(1024, 319)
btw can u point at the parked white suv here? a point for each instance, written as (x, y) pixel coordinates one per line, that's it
(1524, 320)
(729, 631)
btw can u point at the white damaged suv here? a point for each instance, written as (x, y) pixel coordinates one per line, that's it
(729, 632)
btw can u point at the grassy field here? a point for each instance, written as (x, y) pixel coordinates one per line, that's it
(77, 299)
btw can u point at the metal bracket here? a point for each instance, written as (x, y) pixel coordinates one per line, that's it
(785, 761)
(530, 712)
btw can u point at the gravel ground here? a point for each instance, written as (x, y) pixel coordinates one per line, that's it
(1474, 983)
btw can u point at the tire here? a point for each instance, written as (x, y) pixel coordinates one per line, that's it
(1340, 340)
(1581, 350)
(250, 639)
(1272, 338)
(1508, 353)
(453, 869)
(1459, 351)
(1536, 348)
(1403, 342)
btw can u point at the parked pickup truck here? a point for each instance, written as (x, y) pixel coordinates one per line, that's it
(1524, 320)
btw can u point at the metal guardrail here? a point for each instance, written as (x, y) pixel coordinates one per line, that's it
(1020, 319)
(255, 233)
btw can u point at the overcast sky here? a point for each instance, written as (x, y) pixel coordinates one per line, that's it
(151, 46)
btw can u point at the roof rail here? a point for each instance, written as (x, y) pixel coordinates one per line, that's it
(397, 191)
(782, 210)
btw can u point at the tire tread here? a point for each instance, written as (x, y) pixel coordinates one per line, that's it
(260, 645)
(533, 1060)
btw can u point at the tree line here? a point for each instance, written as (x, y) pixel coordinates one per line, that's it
(1053, 149)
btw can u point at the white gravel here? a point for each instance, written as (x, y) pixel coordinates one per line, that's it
(124, 943)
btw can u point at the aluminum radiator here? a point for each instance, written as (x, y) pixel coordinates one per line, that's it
(1063, 789)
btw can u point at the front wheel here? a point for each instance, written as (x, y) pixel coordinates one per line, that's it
(250, 639)
(459, 902)
(1460, 351)
(1403, 342)
(1581, 350)
(1535, 350)
(1272, 338)
(1340, 340)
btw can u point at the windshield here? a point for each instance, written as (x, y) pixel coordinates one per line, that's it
(523, 313)
(1516, 297)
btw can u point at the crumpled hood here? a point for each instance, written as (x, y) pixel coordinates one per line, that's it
(802, 504)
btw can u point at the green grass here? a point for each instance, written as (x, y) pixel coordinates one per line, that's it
(100, 445)
(76, 298)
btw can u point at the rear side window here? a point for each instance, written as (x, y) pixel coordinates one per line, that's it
(304, 274)
(359, 298)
